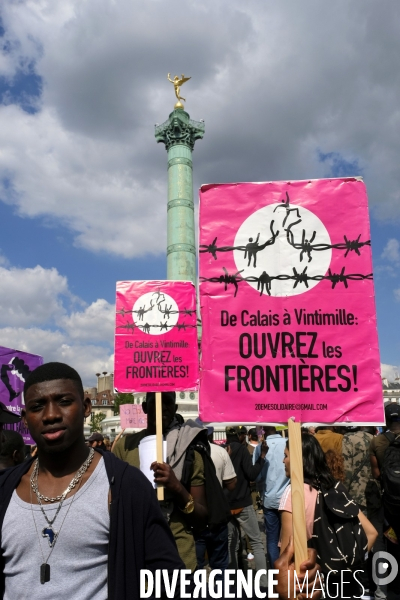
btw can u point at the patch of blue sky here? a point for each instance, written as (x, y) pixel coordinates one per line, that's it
(24, 89)
(27, 242)
(338, 165)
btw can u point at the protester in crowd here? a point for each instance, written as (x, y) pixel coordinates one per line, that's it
(242, 434)
(214, 541)
(329, 439)
(335, 464)
(355, 449)
(389, 507)
(240, 501)
(92, 522)
(272, 482)
(118, 437)
(96, 440)
(253, 440)
(317, 476)
(12, 449)
(183, 509)
(107, 443)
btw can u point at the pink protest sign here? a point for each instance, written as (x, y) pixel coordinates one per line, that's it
(287, 303)
(132, 415)
(156, 345)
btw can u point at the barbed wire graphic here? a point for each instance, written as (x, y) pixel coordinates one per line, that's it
(265, 280)
(306, 246)
(162, 327)
(167, 312)
(250, 250)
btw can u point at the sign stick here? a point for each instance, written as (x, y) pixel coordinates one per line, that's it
(297, 486)
(159, 440)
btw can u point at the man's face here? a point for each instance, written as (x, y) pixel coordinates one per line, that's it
(169, 408)
(54, 414)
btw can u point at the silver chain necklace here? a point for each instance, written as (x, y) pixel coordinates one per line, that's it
(48, 531)
(76, 478)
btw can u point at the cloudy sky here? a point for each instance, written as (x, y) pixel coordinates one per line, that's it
(287, 89)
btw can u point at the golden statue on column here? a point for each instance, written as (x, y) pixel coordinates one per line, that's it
(177, 82)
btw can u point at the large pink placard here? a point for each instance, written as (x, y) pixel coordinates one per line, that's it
(156, 345)
(287, 303)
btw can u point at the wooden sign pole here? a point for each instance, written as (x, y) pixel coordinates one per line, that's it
(159, 440)
(297, 485)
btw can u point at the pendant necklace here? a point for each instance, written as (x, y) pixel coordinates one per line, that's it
(48, 531)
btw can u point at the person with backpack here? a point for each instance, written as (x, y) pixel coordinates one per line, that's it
(241, 504)
(185, 505)
(214, 539)
(384, 454)
(335, 525)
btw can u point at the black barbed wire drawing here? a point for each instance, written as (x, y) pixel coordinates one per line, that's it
(306, 246)
(250, 250)
(146, 328)
(287, 207)
(302, 234)
(143, 310)
(165, 306)
(264, 280)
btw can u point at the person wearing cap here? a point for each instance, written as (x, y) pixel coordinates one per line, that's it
(96, 440)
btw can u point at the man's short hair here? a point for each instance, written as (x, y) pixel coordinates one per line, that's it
(241, 430)
(11, 441)
(253, 434)
(51, 371)
(164, 396)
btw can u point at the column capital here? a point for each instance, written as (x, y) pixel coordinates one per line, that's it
(179, 129)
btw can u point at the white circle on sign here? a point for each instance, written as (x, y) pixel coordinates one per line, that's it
(262, 257)
(155, 313)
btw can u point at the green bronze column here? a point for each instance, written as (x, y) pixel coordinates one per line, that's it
(179, 134)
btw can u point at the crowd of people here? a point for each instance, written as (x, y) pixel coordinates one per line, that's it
(79, 520)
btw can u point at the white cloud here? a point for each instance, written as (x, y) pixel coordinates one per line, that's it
(392, 251)
(31, 296)
(36, 315)
(275, 83)
(397, 294)
(389, 372)
(95, 323)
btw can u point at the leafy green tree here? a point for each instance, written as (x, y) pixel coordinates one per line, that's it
(95, 425)
(122, 399)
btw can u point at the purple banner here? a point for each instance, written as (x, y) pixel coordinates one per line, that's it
(15, 366)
